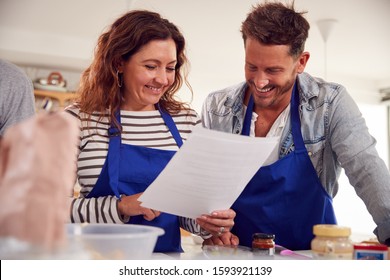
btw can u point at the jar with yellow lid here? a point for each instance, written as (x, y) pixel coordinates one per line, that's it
(332, 242)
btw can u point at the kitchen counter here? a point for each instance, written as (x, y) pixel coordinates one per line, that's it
(192, 246)
(303, 255)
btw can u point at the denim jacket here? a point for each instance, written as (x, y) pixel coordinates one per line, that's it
(335, 136)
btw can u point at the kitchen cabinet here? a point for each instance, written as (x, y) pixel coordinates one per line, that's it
(61, 98)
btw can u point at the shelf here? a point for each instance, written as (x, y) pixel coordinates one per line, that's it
(61, 97)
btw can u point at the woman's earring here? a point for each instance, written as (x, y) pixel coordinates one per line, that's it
(119, 79)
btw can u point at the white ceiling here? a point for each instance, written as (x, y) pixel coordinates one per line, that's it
(63, 33)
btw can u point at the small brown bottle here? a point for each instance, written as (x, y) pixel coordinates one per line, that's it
(263, 244)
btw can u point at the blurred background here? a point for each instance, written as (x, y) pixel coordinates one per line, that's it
(45, 36)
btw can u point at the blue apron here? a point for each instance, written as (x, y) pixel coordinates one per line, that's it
(285, 198)
(130, 169)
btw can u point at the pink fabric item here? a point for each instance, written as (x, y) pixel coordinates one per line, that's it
(37, 175)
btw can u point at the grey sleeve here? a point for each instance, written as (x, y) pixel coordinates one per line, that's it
(204, 113)
(16, 96)
(366, 171)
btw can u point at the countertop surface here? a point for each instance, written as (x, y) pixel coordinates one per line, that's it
(192, 246)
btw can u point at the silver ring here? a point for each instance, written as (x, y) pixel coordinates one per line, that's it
(221, 230)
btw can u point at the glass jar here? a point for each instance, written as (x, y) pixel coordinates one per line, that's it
(263, 243)
(332, 242)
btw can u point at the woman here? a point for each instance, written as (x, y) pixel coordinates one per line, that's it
(131, 126)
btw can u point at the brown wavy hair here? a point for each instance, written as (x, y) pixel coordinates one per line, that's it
(99, 90)
(274, 23)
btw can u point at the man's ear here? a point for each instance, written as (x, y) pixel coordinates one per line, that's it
(302, 61)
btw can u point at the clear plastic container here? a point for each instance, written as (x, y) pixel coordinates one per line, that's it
(332, 242)
(115, 241)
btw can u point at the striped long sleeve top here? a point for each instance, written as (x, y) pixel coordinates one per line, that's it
(143, 128)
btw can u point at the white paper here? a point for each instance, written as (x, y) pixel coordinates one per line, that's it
(208, 173)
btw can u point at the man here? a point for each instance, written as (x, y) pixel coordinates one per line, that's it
(16, 96)
(321, 131)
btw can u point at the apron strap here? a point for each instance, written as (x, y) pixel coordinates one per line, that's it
(295, 118)
(248, 117)
(113, 156)
(171, 125)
